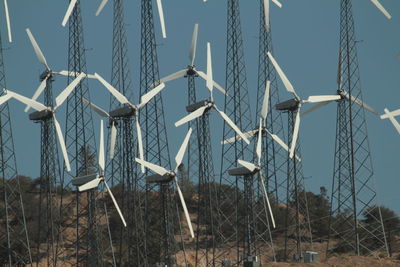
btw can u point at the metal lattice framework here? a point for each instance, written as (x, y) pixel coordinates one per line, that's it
(81, 240)
(14, 241)
(353, 193)
(50, 179)
(238, 109)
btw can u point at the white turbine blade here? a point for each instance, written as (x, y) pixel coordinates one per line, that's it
(390, 114)
(37, 49)
(182, 149)
(282, 75)
(322, 98)
(4, 98)
(38, 91)
(315, 107)
(115, 203)
(267, 199)
(62, 144)
(101, 6)
(259, 143)
(8, 21)
(71, 6)
(140, 141)
(216, 85)
(102, 160)
(250, 166)
(381, 8)
(68, 90)
(155, 168)
(281, 143)
(361, 103)
(232, 125)
(184, 208)
(113, 140)
(266, 14)
(393, 121)
(210, 79)
(96, 109)
(74, 74)
(236, 138)
(264, 109)
(120, 97)
(90, 185)
(27, 101)
(191, 116)
(162, 21)
(152, 93)
(173, 76)
(295, 134)
(276, 2)
(192, 51)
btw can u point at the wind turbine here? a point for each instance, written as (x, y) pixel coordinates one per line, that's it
(201, 107)
(381, 8)
(165, 175)
(48, 72)
(159, 8)
(391, 116)
(128, 110)
(92, 181)
(43, 112)
(191, 69)
(296, 103)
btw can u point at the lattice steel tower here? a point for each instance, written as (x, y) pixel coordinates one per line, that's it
(229, 233)
(353, 190)
(50, 179)
(86, 244)
(14, 241)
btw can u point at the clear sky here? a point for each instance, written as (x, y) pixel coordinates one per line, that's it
(306, 41)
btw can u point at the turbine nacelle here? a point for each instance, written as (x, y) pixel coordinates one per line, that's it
(41, 115)
(160, 179)
(200, 104)
(243, 171)
(123, 112)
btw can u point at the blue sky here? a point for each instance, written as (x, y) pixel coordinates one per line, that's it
(306, 40)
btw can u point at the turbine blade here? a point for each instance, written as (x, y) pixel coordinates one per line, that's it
(27, 101)
(140, 141)
(152, 93)
(381, 8)
(62, 144)
(155, 168)
(113, 140)
(393, 121)
(74, 74)
(282, 75)
(322, 98)
(38, 92)
(250, 166)
(276, 2)
(8, 21)
(115, 203)
(161, 14)
(71, 6)
(264, 109)
(361, 103)
(315, 107)
(210, 79)
(68, 90)
(102, 160)
(120, 97)
(267, 199)
(232, 125)
(96, 109)
(295, 134)
(235, 138)
(182, 149)
(90, 185)
(266, 14)
(216, 85)
(191, 116)
(259, 143)
(101, 6)
(4, 98)
(173, 76)
(192, 51)
(184, 208)
(37, 49)
(390, 114)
